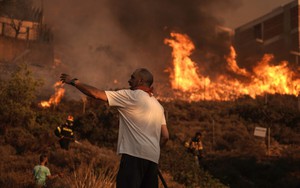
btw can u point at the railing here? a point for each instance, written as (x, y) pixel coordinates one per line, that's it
(24, 30)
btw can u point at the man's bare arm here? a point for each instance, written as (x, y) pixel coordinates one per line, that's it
(84, 88)
(164, 135)
(55, 176)
(91, 91)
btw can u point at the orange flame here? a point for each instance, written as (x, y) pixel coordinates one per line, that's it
(56, 97)
(232, 64)
(185, 75)
(193, 86)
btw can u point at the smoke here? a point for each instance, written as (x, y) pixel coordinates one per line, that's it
(101, 41)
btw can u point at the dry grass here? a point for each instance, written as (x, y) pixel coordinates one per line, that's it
(231, 150)
(169, 181)
(91, 176)
(83, 166)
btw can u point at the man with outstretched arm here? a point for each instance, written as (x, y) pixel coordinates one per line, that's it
(142, 128)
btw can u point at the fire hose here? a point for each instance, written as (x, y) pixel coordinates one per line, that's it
(162, 179)
(71, 139)
(52, 143)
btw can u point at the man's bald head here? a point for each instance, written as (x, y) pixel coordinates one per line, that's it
(146, 76)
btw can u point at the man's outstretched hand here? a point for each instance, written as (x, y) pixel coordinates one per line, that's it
(65, 78)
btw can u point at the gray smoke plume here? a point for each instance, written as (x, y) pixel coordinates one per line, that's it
(100, 41)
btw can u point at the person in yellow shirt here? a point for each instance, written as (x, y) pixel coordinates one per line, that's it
(196, 147)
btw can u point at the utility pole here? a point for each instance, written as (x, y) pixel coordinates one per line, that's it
(299, 102)
(266, 98)
(269, 140)
(213, 134)
(84, 99)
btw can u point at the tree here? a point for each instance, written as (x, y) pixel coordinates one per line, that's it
(16, 97)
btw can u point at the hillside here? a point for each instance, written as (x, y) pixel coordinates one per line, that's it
(234, 157)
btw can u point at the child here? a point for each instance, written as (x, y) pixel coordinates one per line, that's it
(41, 172)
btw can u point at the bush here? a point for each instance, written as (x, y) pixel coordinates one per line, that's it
(20, 139)
(16, 97)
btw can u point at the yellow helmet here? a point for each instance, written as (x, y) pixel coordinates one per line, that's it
(70, 118)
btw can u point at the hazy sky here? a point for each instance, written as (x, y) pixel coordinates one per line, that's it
(249, 10)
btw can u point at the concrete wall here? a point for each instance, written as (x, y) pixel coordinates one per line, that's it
(36, 53)
(25, 40)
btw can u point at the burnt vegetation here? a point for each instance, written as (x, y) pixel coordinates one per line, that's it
(234, 157)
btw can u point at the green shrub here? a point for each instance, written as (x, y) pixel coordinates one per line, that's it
(16, 97)
(20, 139)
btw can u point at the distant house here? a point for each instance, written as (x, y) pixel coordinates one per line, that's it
(23, 35)
(14, 28)
(18, 19)
(277, 32)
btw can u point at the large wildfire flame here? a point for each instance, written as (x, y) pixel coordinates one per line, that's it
(265, 78)
(56, 97)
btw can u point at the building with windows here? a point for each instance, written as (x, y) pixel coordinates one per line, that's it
(277, 33)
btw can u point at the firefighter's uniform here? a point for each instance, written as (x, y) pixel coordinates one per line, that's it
(65, 133)
(195, 146)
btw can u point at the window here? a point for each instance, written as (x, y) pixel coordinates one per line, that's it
(258, 34)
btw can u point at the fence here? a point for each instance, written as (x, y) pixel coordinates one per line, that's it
(24, 30)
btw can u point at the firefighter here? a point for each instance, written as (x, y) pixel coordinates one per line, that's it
(65, 133)
(195, 146)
